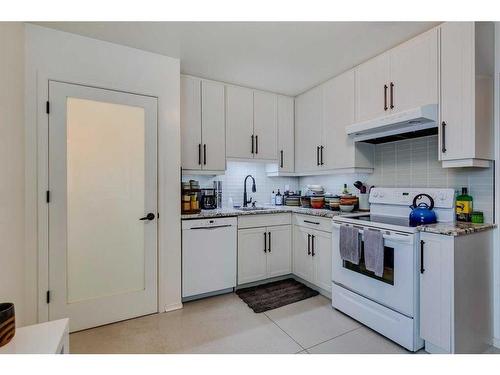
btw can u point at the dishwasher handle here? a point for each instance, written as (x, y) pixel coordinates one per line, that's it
(214, 227)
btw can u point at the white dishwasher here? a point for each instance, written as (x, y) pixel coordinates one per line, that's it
(209, 248)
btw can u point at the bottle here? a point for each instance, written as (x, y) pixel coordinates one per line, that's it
(279, 198)
(273, 198)
(463, 207)
(344, 190)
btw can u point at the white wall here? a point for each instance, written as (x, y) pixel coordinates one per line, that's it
(71, 58)
(12, 255)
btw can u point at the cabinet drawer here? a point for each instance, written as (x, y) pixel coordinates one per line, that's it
(313, 222)
(263, 220)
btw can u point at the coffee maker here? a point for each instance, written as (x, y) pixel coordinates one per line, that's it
(208, 199)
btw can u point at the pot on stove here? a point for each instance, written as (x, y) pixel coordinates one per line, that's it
(422, 213)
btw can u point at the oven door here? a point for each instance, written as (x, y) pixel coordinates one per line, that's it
(395, 289)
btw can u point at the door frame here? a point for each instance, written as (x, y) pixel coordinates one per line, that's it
(60, 56)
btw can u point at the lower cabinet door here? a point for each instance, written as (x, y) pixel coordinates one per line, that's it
(279, 250)
(322, 259)
(252, 262)
(302, 254)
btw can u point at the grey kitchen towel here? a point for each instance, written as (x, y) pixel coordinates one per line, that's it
(349, 244)
(374, 251)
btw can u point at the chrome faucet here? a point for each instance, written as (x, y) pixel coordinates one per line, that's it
(254, 189)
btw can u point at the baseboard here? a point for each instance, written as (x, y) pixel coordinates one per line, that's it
(172, 307)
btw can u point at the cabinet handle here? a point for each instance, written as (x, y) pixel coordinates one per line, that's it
(311, 222)
(443, 137)
(385, 97)
(321, 154)
(422, 243)
(281, 158)
(252, 144)
(317, 155)
(392, 95)
(205, 154)
(312, 245)
(199, 153)
(256, 144)
(308, 244)
(265, 241)
(269, 243)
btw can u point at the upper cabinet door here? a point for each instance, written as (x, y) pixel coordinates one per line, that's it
(372, 88)
(213, 126)
(414, 73)
(239, 122)
(286, 134)
(265, 125)
(191, 123)
(457, 90)
(338, 113)
(308, 129)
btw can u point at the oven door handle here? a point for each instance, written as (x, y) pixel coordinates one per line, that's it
(400, 238)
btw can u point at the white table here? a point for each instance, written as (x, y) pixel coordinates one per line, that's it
(44, 338)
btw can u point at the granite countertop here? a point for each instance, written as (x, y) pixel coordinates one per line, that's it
(227, 212)
(455, 229)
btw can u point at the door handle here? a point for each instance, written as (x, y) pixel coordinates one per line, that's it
(265, 241)
(385, 97)
(392, 95)
(256, 144)
(281, 158)
(422, 269)
(150, 216)
(443, 137)
(321, 154)
(308, 244)
(205, 154)
(251, 137)
(317, 155)
(269, 243)
(199, 153)
(312, 246)
(311, 222)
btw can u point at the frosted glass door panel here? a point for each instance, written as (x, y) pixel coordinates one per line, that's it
(105, 172)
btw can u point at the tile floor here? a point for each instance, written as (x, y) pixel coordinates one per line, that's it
(225, 324)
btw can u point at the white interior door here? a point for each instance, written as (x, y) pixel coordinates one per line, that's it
(102, 181)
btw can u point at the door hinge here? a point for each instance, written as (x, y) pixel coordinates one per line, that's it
(47, 196)
(48, 296)
(47, 107)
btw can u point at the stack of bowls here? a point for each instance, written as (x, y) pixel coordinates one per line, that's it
(348, 202)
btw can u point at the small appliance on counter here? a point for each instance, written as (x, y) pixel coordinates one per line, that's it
(208, 199)
(190, 197)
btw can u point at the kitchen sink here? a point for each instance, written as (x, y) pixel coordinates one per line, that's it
(251, 208)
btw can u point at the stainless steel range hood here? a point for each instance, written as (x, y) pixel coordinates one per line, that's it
(412, 123)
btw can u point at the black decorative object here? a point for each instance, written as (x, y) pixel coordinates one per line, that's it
(7, 323)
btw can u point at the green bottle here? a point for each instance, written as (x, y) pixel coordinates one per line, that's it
(464, 206)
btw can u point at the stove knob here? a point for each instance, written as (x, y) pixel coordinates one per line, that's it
(381, 195)
(375, 194)
(441, 196)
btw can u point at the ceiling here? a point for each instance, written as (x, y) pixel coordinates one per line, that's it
(284, 57)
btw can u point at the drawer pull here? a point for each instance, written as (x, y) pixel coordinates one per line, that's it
(311, 222)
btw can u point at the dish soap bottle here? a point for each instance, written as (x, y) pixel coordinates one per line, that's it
(279, 198)
(273, 198)
(344, 190)
(463, 207)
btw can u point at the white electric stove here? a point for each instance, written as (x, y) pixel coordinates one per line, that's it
(388, 304)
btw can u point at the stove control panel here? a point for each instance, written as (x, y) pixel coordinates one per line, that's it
(443, 198)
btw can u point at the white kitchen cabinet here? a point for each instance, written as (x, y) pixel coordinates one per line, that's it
(286, 147)
(340, 151)
(264, 252)
(252, 255)
(414, 72)
(302, 260)
(202, 125)
(312, 256)
(265, 125)
(455, 290)
(322, 259)
(279, 251)
(372, 88)
(239, 123)
(308, 130)
(402, 78)
(466, 100)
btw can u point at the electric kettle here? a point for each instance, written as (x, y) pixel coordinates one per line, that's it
(422, 213)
